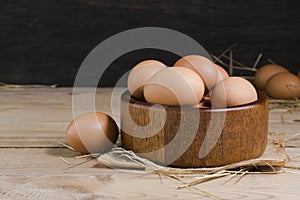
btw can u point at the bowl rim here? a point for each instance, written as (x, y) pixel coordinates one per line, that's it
(262, 97)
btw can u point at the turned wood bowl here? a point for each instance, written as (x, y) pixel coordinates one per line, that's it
(193, 136)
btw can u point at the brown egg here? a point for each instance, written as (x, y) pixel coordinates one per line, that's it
(139, 75)
(205, 68)
(174, 86)
(233, 91)
(222, 74)
(93, 132)
(299, 74)
(283, 85)
(265, 73)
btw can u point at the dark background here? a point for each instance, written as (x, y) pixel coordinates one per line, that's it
(45, 41)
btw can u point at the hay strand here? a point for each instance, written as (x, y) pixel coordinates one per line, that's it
(270, 163)
(227, 50)
(291, 167)
(234, 67)
(238, 63)
(271, 61)
(15, 86)
(203, 179)
(67, 146)
(230, 63)
(65, 161)
(257, 60)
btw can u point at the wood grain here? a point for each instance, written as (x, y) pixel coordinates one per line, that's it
(46, 41)
(244, 132)
(39, 173)
(38, 117)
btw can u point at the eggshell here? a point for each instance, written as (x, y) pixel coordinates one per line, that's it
(174, 86)
(265, 73)
(205, 68)
(222, 74)
(139, 75)
(233, 91)
(283, 85)
(93, 132)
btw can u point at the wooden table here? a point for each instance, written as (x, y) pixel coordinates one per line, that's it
(33, 122)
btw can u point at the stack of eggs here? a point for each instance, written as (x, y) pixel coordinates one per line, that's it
(278, 82)
(192, 81)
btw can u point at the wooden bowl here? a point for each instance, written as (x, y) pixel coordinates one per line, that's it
(240, 135)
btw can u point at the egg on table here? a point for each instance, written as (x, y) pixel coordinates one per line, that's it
(93, 132)
(264, 73)
(283, 85)
(139, 75)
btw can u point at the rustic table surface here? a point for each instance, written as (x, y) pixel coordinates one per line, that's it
(35, 165)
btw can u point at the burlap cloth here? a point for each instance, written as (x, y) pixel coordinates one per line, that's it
(273, 159)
